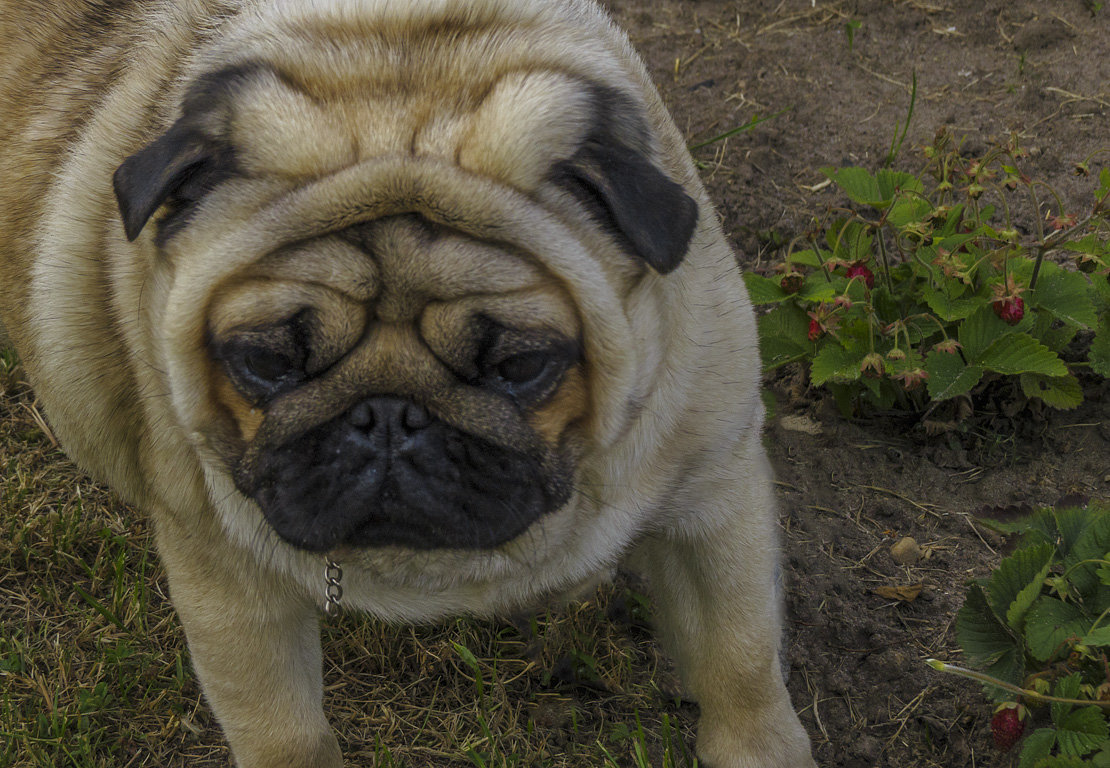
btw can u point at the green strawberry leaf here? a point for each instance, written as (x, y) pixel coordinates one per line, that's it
(783, 336)
(835, 363)
(1090, 545)
(1061, 761)
(1082, 731)
(1062, 392)
(875, 191)
(982, 328)
(1018, 353)
(1099, 356)
(949, 376)
(1064, 295)
(987, 642)
(1017, 582)
(762, 290)
(1098, 637)
(1049, 622)
(808, 258)
(1037, 746)
(947, 307)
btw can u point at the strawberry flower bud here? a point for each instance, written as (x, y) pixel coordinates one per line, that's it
(872, 366)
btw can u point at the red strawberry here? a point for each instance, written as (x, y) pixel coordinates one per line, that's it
(1011, 309)
(814, 329)
(792, 282)
(1007, 725)
(860, 270)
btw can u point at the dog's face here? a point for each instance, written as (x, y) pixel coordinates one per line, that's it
(399, 367)
(398, 383)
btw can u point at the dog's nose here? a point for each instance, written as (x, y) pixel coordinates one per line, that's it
(389, 414)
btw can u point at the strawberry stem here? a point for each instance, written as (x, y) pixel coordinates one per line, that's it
(1028, 693)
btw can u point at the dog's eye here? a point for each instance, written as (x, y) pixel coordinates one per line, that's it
(525, 367)
(268, 364)
(529, 376)
(262, 363)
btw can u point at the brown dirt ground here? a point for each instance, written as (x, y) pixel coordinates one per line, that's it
(849, 490)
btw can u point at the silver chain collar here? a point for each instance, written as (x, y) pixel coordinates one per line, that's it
(333, 590)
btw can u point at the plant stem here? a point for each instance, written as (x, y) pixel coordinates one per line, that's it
(982, 677)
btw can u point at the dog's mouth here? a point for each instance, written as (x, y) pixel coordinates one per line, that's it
(387, 473)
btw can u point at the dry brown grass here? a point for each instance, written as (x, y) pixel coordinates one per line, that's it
(94, 670)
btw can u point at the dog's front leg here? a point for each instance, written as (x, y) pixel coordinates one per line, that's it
(255, 644)
(713, 576)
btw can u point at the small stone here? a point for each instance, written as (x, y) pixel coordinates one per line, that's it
(905, 551)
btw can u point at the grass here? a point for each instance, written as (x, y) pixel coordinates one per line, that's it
(94, 670)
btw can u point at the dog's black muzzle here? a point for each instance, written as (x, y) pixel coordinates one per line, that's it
(387, 472)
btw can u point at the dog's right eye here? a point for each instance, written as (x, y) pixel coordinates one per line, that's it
(264, 363)
(267, 365)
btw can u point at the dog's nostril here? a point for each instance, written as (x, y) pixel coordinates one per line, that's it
(362, 415)
(416, 416)
(389, 414)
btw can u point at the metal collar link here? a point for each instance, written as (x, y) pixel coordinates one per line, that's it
(333, 590)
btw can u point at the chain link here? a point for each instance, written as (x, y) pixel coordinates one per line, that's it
(333, 591)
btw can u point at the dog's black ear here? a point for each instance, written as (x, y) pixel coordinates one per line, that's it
(185, 162)
(613, 174)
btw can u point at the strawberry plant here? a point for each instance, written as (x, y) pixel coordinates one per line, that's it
(929, 290)
(1038, 630)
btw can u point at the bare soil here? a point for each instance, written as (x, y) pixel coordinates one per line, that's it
(849, 491)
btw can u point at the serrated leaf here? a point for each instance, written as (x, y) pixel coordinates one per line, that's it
(807, 258)
(891, 182)
(1097, 637)
(1102, 759)
(1017, 353)
(1061, 761)
(1017, 582)
(835, 363)
(1037, 746)
(1083, 731)
(818, 288)
(1099, 355)
(949, 376)
(949, 308)
(783, 336)
(762, 290)
(1066, 687)
(1064, 295)
(985, 639)
(1090, 544)
(1049, 622)
(1062, 392)
(981, 329)
(857, 183)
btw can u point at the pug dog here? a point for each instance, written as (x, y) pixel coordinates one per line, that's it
(427, 294)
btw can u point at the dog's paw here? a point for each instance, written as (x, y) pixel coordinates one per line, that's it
(768, 742)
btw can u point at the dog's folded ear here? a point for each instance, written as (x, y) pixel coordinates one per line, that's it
(185, 162)
(613, 174)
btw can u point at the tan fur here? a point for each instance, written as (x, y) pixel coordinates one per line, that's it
(394, 180)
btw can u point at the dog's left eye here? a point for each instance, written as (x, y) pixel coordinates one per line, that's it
(528, 376)
(522, 368)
